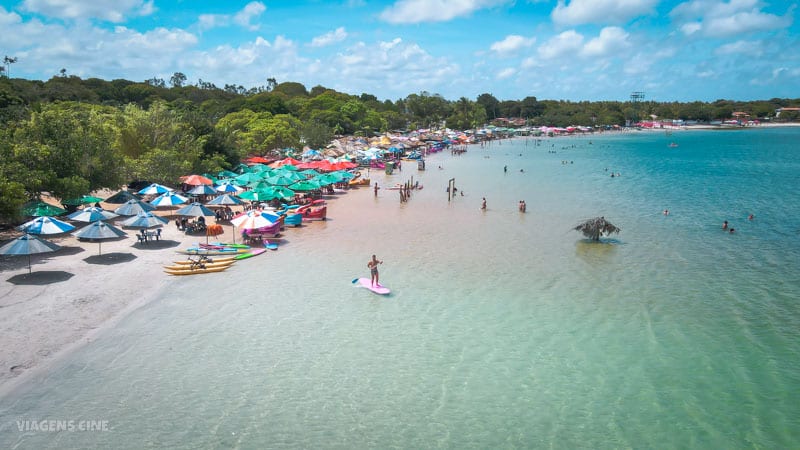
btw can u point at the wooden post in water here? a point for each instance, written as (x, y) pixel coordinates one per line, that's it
(450, 186)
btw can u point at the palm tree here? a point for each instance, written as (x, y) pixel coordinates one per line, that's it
(594, 228)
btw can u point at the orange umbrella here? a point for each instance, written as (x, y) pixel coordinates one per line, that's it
(195, 180)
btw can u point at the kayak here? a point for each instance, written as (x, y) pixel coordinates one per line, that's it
(199, 266)
(250, 254)
(367, 284)
(225, 245)
(207, 260)
(209, 252)
(194, 271)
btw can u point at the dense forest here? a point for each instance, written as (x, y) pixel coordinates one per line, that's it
(69, 136)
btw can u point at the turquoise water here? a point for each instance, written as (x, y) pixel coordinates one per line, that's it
(503, 329)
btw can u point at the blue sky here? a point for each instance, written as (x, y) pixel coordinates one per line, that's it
(672, 50)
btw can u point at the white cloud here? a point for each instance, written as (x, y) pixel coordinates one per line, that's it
(512, 44)
(506, 73)
(611, 41)
(566, 43)
(748, 48)
(116, 11)
(578, 12)
(400, 66)
(251, 11)
(717, 18)
(243, 18)
(416, 11)
(329, 38)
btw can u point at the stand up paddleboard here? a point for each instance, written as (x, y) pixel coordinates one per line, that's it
(367, 283)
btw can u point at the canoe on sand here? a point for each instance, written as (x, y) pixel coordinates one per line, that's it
(194, 271)
(207, 260)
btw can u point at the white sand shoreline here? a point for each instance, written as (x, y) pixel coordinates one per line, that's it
(73, 295)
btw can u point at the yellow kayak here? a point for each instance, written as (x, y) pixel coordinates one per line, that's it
(188, 262)
(199, 266)
(196, 271)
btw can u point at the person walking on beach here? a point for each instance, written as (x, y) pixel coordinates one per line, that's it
(373, 269)
(376, 189)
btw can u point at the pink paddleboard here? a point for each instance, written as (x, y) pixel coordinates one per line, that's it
(367, 283)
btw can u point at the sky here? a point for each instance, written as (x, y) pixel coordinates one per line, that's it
(577, 50)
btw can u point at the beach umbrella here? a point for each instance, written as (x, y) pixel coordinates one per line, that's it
(326, 179)
(227, 174)
(99, 230)
(133, 207)
(225, 199)
(280, 180)
(155, 188)
(229, 188)
(251, 220)
(196, 210)
(284, 162)
(46, 225)
(145, 219)
(91, 214)
(282, 192)
(202, 189)
(310, 173)
(306, 185)
(196, 180)
(121, 197)
(169, 199)
(255, 196)
(40, 208)
(83, 200)
(245, 178)
(344, 175)
(28, 245)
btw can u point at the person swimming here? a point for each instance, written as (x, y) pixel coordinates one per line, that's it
(725, 225)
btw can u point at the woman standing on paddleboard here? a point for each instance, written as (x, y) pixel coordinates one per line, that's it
(373, 268)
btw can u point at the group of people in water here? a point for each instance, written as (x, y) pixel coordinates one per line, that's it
(731, 230)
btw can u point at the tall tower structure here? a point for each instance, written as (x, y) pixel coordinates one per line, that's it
(636, 99)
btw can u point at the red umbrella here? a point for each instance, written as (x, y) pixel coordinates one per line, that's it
(196, 180)
(284, 162)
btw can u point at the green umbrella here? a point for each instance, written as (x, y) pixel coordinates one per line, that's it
(255, 196)
(227, 174)
(40, 208)
(306, 185)
(282, 192)
(84, 200)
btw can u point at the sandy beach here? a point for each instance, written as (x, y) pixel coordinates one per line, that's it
(74, 293)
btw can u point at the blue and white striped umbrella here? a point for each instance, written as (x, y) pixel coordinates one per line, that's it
(228, 188)
(155, 188)
(91, 214)
(169, 199)
(46, 225)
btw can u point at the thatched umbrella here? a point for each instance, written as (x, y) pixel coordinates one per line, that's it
(594, 228)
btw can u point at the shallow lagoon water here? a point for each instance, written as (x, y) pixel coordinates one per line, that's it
(503, 329)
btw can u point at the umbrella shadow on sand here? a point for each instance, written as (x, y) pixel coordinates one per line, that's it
(110, 258)
(156, 245)
(40, 278)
